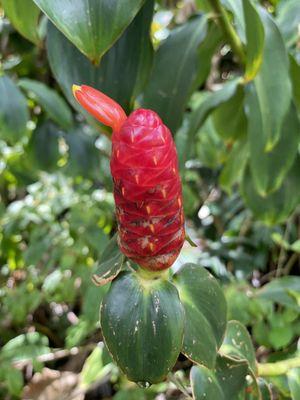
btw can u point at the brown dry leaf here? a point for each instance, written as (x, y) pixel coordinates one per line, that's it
(53, 385)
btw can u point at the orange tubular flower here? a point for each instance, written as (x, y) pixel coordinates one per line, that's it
(147, 185)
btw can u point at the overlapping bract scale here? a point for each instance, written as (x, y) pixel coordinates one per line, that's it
(147, 190)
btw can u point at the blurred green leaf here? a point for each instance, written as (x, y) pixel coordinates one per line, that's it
(43, 146)
(205, 313)
(229, 117)
(120, 70)
(255, 39)
(235, 164)
(13, 111)
(168, 88)
(13, 379)
(209, 103)
(294, 383)
(24, 16)
(287, 18)
(295, 77)
(281, 291)
(25, 347)
(273, 85)
(83, 156)
(93, 368)
(205, 384)
(50, 100)
(276, 207)
(269, 169)
(91, 25)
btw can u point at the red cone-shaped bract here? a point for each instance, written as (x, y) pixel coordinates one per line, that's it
(147, 186)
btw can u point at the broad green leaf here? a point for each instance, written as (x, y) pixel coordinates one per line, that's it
(110, 263)
(142, 323)
(92, 26)
(25, 347)
(281, 291)
(210, 102)
(205, 313)
(234, 167)
(255, 39)
(272, 83)
(120, 71)
(294, 383)
(270, 168)
(13, 111)
(295, 78)
(229, 117)
(287, 18)
(83, 156)
(24, 16)
(205, 384)
(43, 146)
(50, 100)
(237, 343)
(209, 148)
(276, 207)
(231, 375)
(225, 382)
(207, 48)
(175, 71)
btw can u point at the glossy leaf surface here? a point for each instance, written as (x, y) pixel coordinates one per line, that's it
(91, 25)
(142, 323)
(205, 313)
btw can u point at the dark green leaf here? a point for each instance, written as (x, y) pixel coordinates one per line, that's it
(24, 16)
(121, 70)
(225, 382)
(237, 343)
(84, 157)
(110, 263)
(295, 77)
(13, 111)
(235, 165)
(210, 149)
(270, 168)
(231, 375)
(43, 146)
(273, 84)
(168, 88)
(205, 385)
(255, 39)
(50, 100)
(205, 313)
(91, 25)
(142, 322)
(14, 380)
(210, 102)
(229, 118)
(276, 207)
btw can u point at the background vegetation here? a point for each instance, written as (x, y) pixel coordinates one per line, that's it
(225, 77)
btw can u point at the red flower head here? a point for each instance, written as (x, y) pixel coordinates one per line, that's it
(147, 186)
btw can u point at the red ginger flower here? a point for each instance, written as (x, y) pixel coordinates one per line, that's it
(147, 186)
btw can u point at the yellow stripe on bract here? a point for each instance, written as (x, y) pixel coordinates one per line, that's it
(75, 88)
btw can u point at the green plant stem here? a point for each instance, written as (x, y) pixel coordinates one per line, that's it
(278, 368)
(228, 30)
